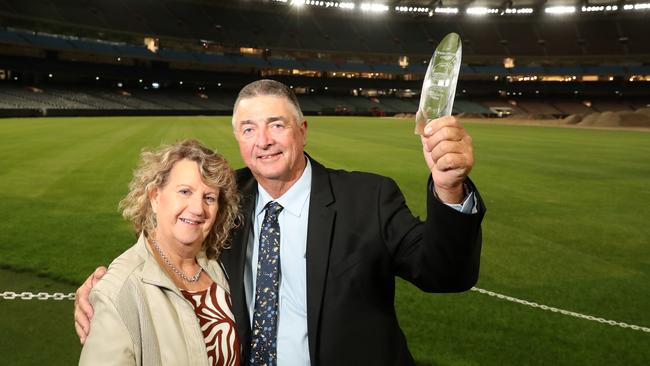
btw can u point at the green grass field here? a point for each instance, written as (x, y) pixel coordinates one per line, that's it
(567, 226)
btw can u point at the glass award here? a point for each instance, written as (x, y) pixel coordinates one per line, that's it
(439, 86)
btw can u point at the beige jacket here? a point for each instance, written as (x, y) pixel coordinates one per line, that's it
(141, 318)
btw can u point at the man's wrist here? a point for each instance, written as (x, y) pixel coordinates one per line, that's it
(451, 196)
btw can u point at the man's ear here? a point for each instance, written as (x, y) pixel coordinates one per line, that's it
(303, 127)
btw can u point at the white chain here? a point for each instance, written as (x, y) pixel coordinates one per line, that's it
(561, 311)
(10, 295)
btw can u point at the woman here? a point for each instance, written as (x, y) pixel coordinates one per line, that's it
(166, 299)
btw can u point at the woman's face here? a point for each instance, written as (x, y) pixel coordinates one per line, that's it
(185, 207)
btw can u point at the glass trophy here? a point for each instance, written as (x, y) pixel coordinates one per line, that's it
(439, 86)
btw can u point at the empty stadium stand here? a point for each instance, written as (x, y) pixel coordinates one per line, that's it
(231, 23)
(223, 45)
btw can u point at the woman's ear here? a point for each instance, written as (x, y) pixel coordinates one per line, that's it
(154, 197)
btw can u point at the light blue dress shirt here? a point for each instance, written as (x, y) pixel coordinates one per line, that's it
(468, 205)
(293, 345)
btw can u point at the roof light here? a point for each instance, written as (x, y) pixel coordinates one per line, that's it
(640, 6)
(446, 10)
(560, 10)
(519, 11)
(412, 9)
(598, 8)
(378, 8)
(480, 10)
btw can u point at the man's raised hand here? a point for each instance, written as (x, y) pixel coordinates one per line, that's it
(448, 151)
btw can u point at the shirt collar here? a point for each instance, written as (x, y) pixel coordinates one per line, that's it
(293, 200)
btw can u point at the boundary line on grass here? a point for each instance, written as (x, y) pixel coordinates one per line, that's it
(561, 311)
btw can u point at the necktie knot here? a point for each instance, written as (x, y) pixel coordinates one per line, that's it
(273, 208)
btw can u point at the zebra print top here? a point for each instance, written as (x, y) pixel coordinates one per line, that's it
(213, 310)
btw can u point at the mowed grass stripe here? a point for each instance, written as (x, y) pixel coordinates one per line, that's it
(566, 226)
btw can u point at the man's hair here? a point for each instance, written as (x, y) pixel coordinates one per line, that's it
(267, 87)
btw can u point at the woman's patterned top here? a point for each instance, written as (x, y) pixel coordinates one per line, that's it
(213, 308)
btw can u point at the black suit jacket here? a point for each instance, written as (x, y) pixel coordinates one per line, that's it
(360, 236)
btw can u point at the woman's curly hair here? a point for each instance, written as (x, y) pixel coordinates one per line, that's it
(153, 171)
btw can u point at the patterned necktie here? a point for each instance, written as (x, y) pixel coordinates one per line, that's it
(265, 316)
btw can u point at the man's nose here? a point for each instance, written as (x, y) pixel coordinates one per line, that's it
(264, 139)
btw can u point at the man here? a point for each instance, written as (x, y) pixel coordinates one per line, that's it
(342, 237)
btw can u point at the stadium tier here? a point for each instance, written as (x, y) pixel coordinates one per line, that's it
(67, 100)
(261, 25)
(191, 56)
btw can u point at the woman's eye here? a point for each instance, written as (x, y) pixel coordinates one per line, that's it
(184, 192)
(210, 199)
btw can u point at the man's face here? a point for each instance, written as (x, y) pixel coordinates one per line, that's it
(271, 141)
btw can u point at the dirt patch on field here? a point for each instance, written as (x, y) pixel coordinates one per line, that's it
(640, 118)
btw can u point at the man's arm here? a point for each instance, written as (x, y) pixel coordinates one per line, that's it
(83, 310)
(110, 343)
(443, 253)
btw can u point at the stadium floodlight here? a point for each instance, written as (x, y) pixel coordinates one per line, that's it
(376, 8)
(446, 10)
(519, 11)
(347, 5)
(297, 3)
(598, 8)
(322, 4)
(481, 10)
(639, 6)
(560, 10)
(412, 9)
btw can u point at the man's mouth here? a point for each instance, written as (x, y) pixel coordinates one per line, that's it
(268, 156)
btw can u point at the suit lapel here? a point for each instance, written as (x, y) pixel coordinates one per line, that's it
(234, 259)
(319, 233)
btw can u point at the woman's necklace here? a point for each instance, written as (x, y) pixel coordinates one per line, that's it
(180, 274)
